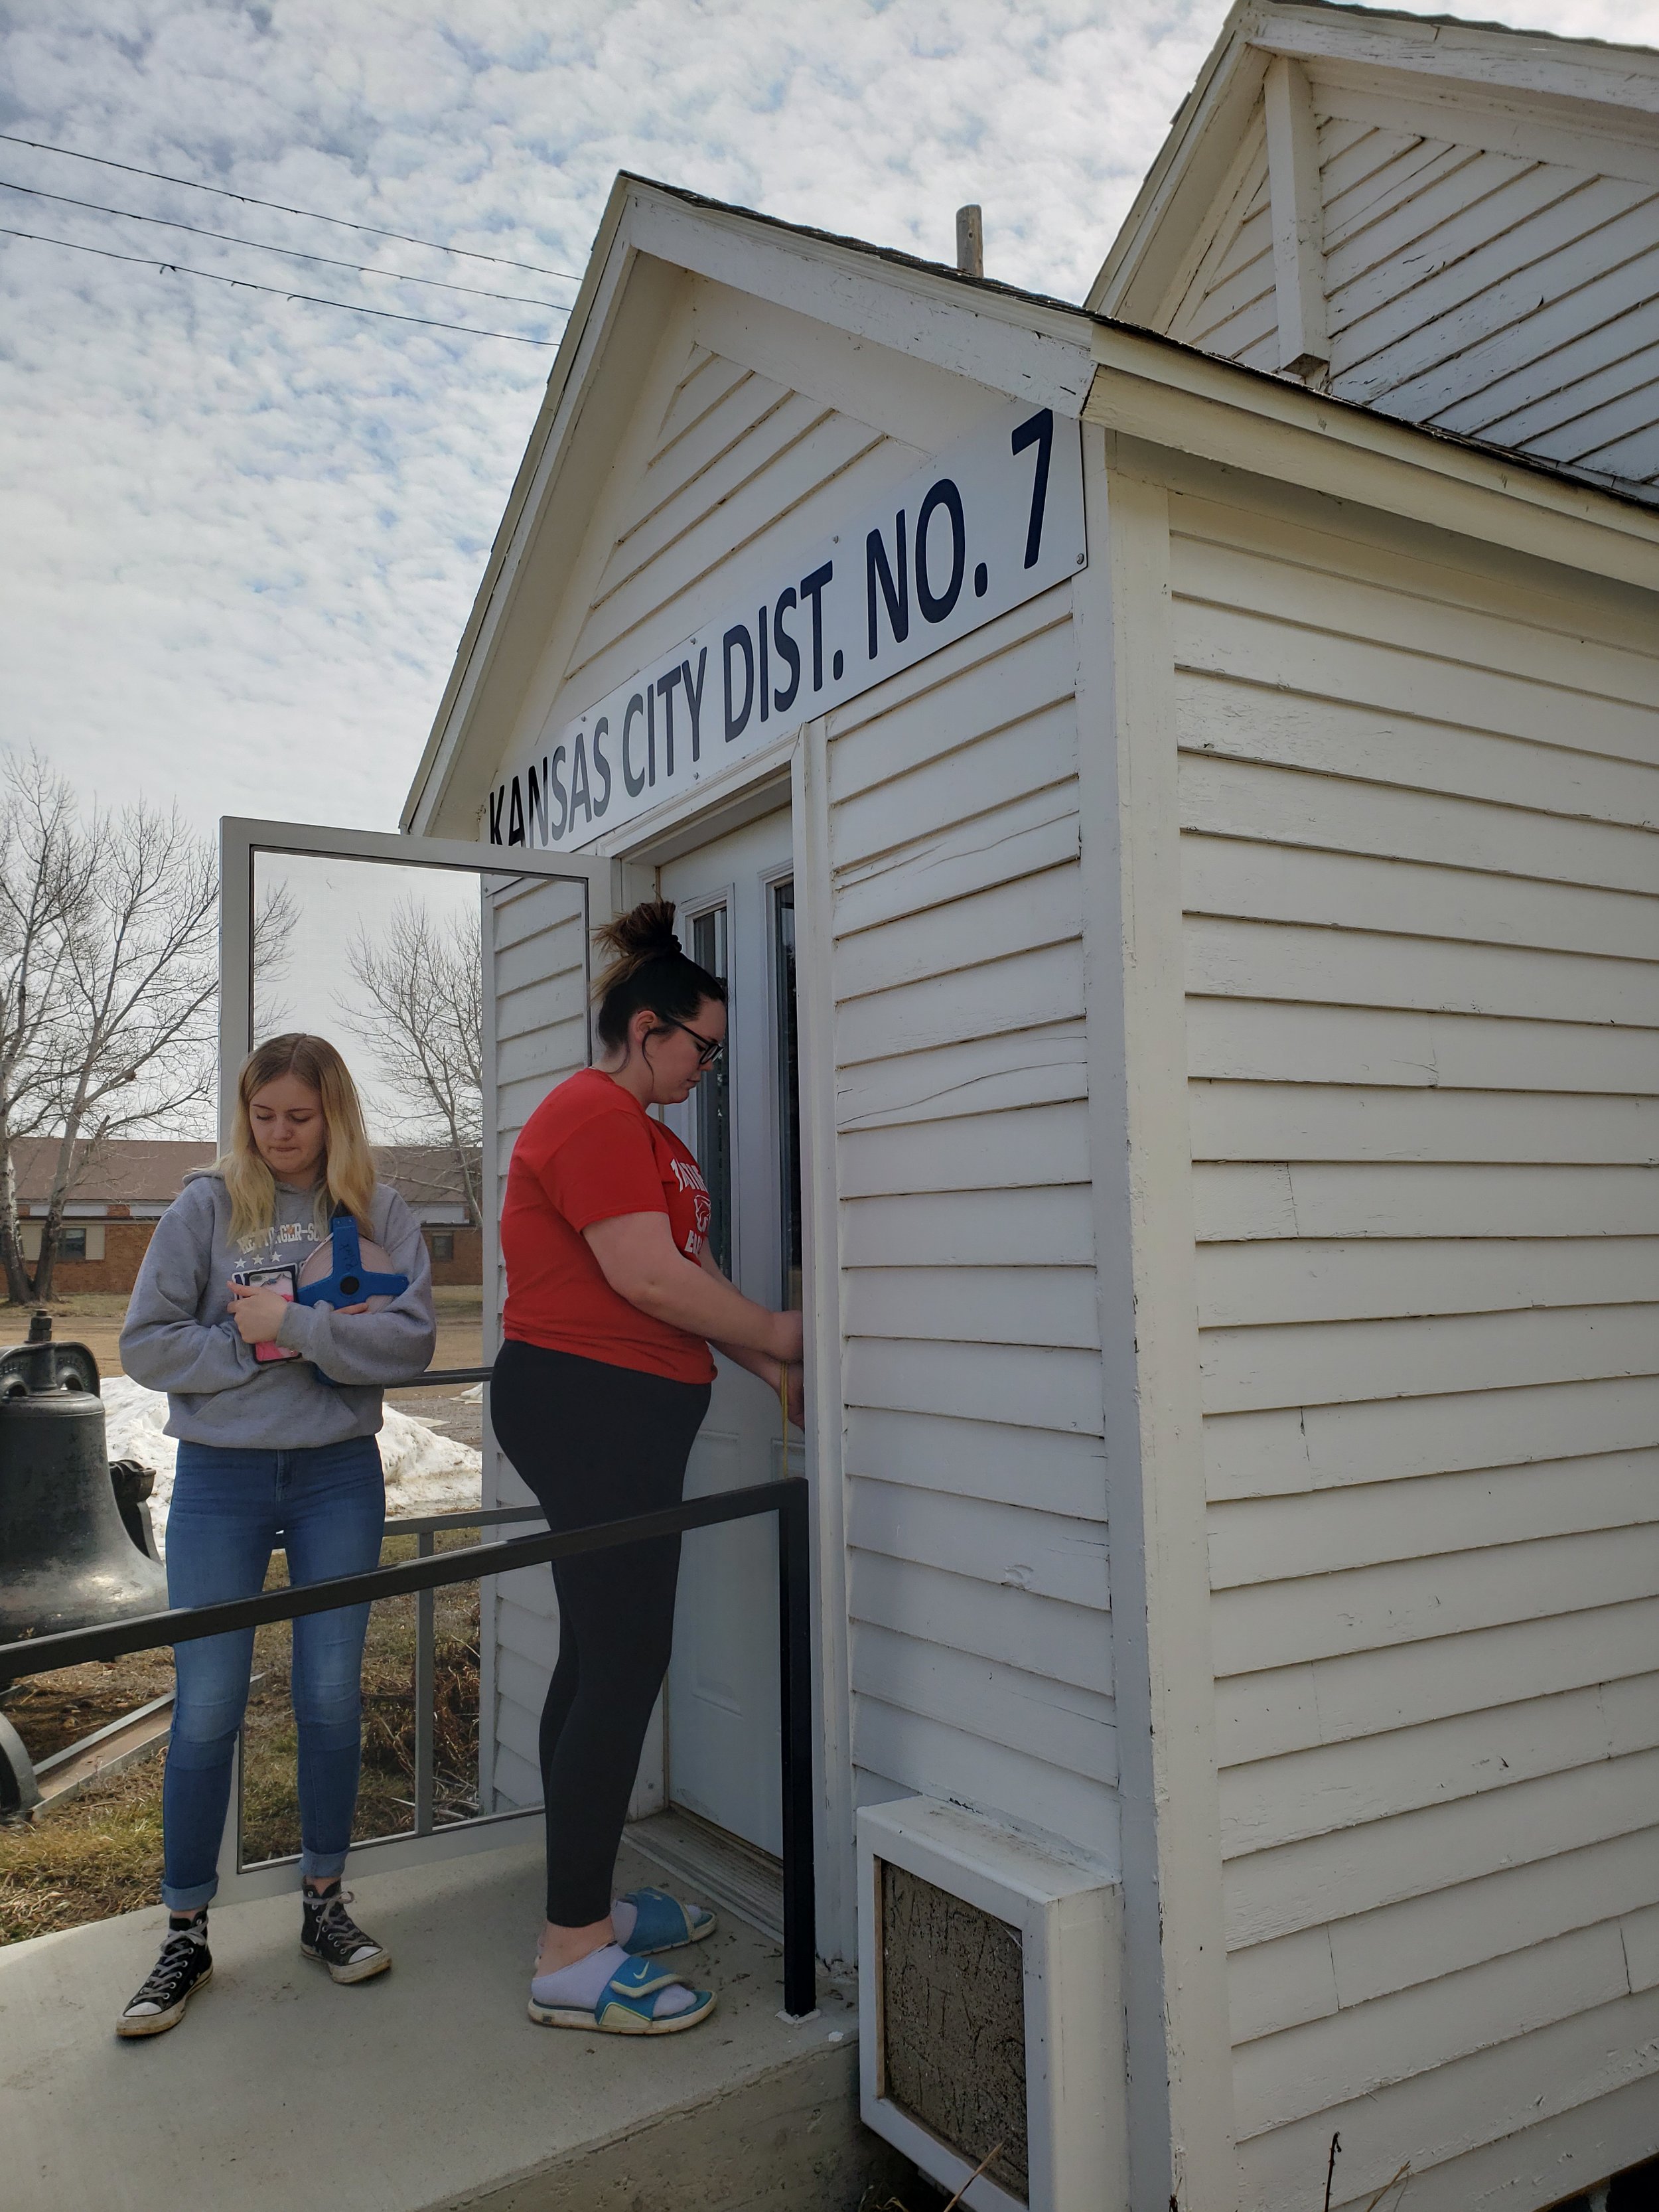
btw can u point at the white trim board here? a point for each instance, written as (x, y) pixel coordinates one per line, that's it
(1181, 2140)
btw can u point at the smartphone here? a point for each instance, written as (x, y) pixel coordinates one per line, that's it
(284, 1281)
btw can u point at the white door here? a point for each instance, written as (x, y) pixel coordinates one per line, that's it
(736, 902)
(309, 915)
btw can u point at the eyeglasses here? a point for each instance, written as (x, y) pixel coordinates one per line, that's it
(709, 1048)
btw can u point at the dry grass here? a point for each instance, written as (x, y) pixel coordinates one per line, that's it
(101, 1853)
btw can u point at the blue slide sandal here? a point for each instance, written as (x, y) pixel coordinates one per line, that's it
(625, 2004)
(664, 1924)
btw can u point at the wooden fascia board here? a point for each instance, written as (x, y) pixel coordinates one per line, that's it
(1537, 126)
(1028, 349)
(1187, 174)
(1171, 396)
(443, 742)
(1498, 60)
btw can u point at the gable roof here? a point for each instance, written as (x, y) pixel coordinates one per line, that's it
(1579, 81)
(1026, 343)
(1454, 224)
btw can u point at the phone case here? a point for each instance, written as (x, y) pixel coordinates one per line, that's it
(284, 1281)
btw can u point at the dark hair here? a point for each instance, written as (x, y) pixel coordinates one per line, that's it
(648, 969)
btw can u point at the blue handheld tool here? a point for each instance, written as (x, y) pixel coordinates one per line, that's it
(349, 1279)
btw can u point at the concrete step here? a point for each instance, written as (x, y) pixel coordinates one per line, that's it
(425, 2090)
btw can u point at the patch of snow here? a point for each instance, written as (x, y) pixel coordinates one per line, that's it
(425, 1471)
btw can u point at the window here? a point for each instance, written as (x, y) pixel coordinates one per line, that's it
(713, 1098)
(72, 1243)
(783, 970)
(443, 1244)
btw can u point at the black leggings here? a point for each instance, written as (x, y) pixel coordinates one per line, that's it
(596, 1443)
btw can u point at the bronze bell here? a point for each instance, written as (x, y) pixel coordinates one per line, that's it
(73, 1529)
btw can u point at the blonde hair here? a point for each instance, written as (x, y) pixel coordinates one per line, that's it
(348, 1164)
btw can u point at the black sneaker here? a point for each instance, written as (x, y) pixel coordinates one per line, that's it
(185, 1964)
(331, 1934)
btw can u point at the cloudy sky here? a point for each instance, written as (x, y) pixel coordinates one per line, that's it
(239, 534)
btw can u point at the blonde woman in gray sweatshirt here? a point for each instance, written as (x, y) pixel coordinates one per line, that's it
(268, 1448)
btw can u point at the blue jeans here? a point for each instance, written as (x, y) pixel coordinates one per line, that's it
(229, 1507)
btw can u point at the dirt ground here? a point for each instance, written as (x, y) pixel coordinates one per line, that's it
(94, 1318)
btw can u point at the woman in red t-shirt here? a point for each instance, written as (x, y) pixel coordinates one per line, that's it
(612, 1301)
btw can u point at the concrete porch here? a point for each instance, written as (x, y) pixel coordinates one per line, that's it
(424, 2090)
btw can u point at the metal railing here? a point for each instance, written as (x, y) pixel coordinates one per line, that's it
(432, 1570)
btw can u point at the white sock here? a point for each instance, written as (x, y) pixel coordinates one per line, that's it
(624, 1917)
(581, 1983)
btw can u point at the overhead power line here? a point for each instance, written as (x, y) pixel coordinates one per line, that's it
(289, 253)
(278, 291)
(250, 199)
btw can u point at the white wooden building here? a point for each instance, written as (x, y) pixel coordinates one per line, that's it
(1189, 894)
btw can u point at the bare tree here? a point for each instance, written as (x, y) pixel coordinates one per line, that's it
(423, 985)
(274, 919)
(44, 871)
(108, 988)
(142, 979)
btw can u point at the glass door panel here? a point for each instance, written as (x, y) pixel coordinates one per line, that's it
(457, 992)
(722, 1703)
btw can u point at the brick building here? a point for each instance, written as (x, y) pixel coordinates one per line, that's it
(112, 1213)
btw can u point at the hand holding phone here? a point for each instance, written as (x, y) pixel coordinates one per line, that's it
(256, 1296)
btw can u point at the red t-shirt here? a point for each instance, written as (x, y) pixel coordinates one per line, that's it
(589, 1153)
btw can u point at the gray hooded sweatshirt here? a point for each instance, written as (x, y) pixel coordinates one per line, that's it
(179, 1335)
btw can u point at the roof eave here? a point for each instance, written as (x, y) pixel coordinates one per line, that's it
(1161, 392)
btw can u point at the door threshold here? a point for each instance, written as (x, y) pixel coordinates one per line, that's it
(722, 1868)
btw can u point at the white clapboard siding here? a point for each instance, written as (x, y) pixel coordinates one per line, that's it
(733, 459)
(1421, 880)
(1469, 283)
(1057, 1474)
(1473, 2120)
(1262, 1540)
(1509, 292)
(1268, 1714)
(1420, 752)
(1300, 1197)
(1306, 1976)
(1328, 1880)
(1228, 306)
(1323, 1446)
(975, 1479)
(535, 980)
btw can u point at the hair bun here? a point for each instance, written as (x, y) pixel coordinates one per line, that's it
(645, 932)
(647, 968)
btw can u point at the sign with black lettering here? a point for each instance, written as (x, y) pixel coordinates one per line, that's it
(979, 530)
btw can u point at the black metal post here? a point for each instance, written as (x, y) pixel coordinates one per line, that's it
(426, 1687)
(795, 1696)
